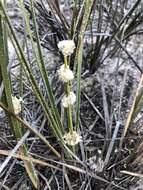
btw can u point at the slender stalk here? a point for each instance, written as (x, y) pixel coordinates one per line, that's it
(78, 59)
(69, 109)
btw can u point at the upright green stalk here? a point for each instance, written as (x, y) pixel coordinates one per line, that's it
(15, 126)
(69, 109)
(78, 60)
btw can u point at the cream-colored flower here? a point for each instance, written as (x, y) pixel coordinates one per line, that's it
(65, 74)
(72, 138)
(66, 47)
(69, 100)
(16, 104)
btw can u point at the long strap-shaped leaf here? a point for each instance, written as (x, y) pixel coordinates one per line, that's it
(15, 125)
(88, 6)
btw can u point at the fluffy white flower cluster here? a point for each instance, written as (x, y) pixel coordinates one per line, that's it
(69, 100)
(66, 47)
(72, 138)
(16, 104)
(65, 74)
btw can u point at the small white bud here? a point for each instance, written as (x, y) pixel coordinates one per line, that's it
(66, 47)
(69, 100)
(72, 138)
(65, 74)
(16, 105)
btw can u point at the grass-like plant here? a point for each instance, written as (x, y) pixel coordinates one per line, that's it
(114, 29)
(51, 112)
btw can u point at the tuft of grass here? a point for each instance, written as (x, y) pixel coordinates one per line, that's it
(101, 30)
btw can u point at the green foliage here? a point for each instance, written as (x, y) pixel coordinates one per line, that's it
(113, 29)
(14, 124)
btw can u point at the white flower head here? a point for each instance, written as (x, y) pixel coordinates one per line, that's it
(72, 138)
(65, 74)
(16, 105)
(66, 47)
(69, 100)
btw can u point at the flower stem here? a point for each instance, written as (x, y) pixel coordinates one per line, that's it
(69, 109)
(65, 61)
